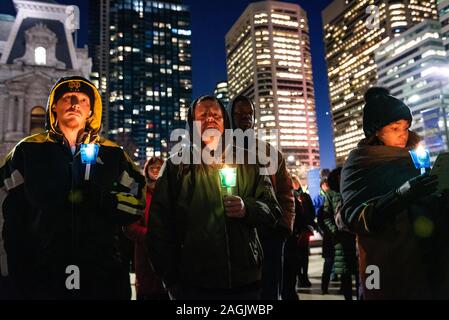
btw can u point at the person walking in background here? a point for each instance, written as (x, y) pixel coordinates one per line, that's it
(345, 258)
(148, 285)
(296, 253)
(305, 225)
(318, 200)
(328, 250)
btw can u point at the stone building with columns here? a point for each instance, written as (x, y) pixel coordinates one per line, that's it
(36, 49)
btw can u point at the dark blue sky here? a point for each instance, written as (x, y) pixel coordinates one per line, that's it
(210, 22)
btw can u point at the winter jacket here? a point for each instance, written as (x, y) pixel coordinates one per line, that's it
(52, 218)
(280, 180)
(304, 219)
(345, 258)
(410, 246)
(147, 283)
(318, 201)
(191, 241)
(328, 250)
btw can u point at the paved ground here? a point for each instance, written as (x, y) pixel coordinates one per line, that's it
(315, 270)
(313, 293)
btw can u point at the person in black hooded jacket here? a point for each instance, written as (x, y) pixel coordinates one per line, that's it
(242, 112)
(59, 215)
(401, 222)
(203, 242)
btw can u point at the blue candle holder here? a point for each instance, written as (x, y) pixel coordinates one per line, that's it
(421, 158)
(89, 153)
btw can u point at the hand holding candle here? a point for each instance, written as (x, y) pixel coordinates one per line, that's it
(234, 207)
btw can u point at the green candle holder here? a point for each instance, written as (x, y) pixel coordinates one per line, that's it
(228, 179)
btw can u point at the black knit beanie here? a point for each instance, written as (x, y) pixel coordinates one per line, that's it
(74, 84)
(381, 109)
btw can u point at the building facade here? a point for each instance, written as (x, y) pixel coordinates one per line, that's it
(443, 12)
(269, 60)
(410, 66)
(38, 50)
(143, 67)
(6, 23)
(221, 91)
(353, 30)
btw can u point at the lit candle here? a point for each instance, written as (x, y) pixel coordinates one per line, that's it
(89, 154)
(228, 178)
(421, 158)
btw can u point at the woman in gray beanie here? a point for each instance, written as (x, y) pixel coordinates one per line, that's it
(401, 223)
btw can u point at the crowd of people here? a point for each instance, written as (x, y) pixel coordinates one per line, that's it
(72, 201)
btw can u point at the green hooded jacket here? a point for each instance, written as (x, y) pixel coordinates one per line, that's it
(192, 242)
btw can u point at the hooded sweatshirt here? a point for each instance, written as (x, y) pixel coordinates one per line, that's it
(191, 242)
(281, 180)
(51, 217)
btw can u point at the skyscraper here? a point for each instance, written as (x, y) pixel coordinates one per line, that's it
(269, 60)
(353, 31)
(221, 91)
(99, 51)
(144, 64)
(410, 66)
(443, 12)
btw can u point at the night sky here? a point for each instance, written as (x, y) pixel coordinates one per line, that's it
(210, 22)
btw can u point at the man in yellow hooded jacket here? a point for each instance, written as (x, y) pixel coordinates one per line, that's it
(63, 195)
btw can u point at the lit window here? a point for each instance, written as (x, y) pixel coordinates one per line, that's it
(40, 56)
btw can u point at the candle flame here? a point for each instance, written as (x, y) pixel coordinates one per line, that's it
(421, 151)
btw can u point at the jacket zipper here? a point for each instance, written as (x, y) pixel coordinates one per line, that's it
(74, 240)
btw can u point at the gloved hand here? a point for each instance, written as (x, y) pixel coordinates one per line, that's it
(397, 200)
(418, 187)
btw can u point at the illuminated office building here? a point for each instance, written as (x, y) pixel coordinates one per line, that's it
(269, 60)
(412, 66)
(352, 33)
(443, 12)
(221, 91)
(144, 62)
